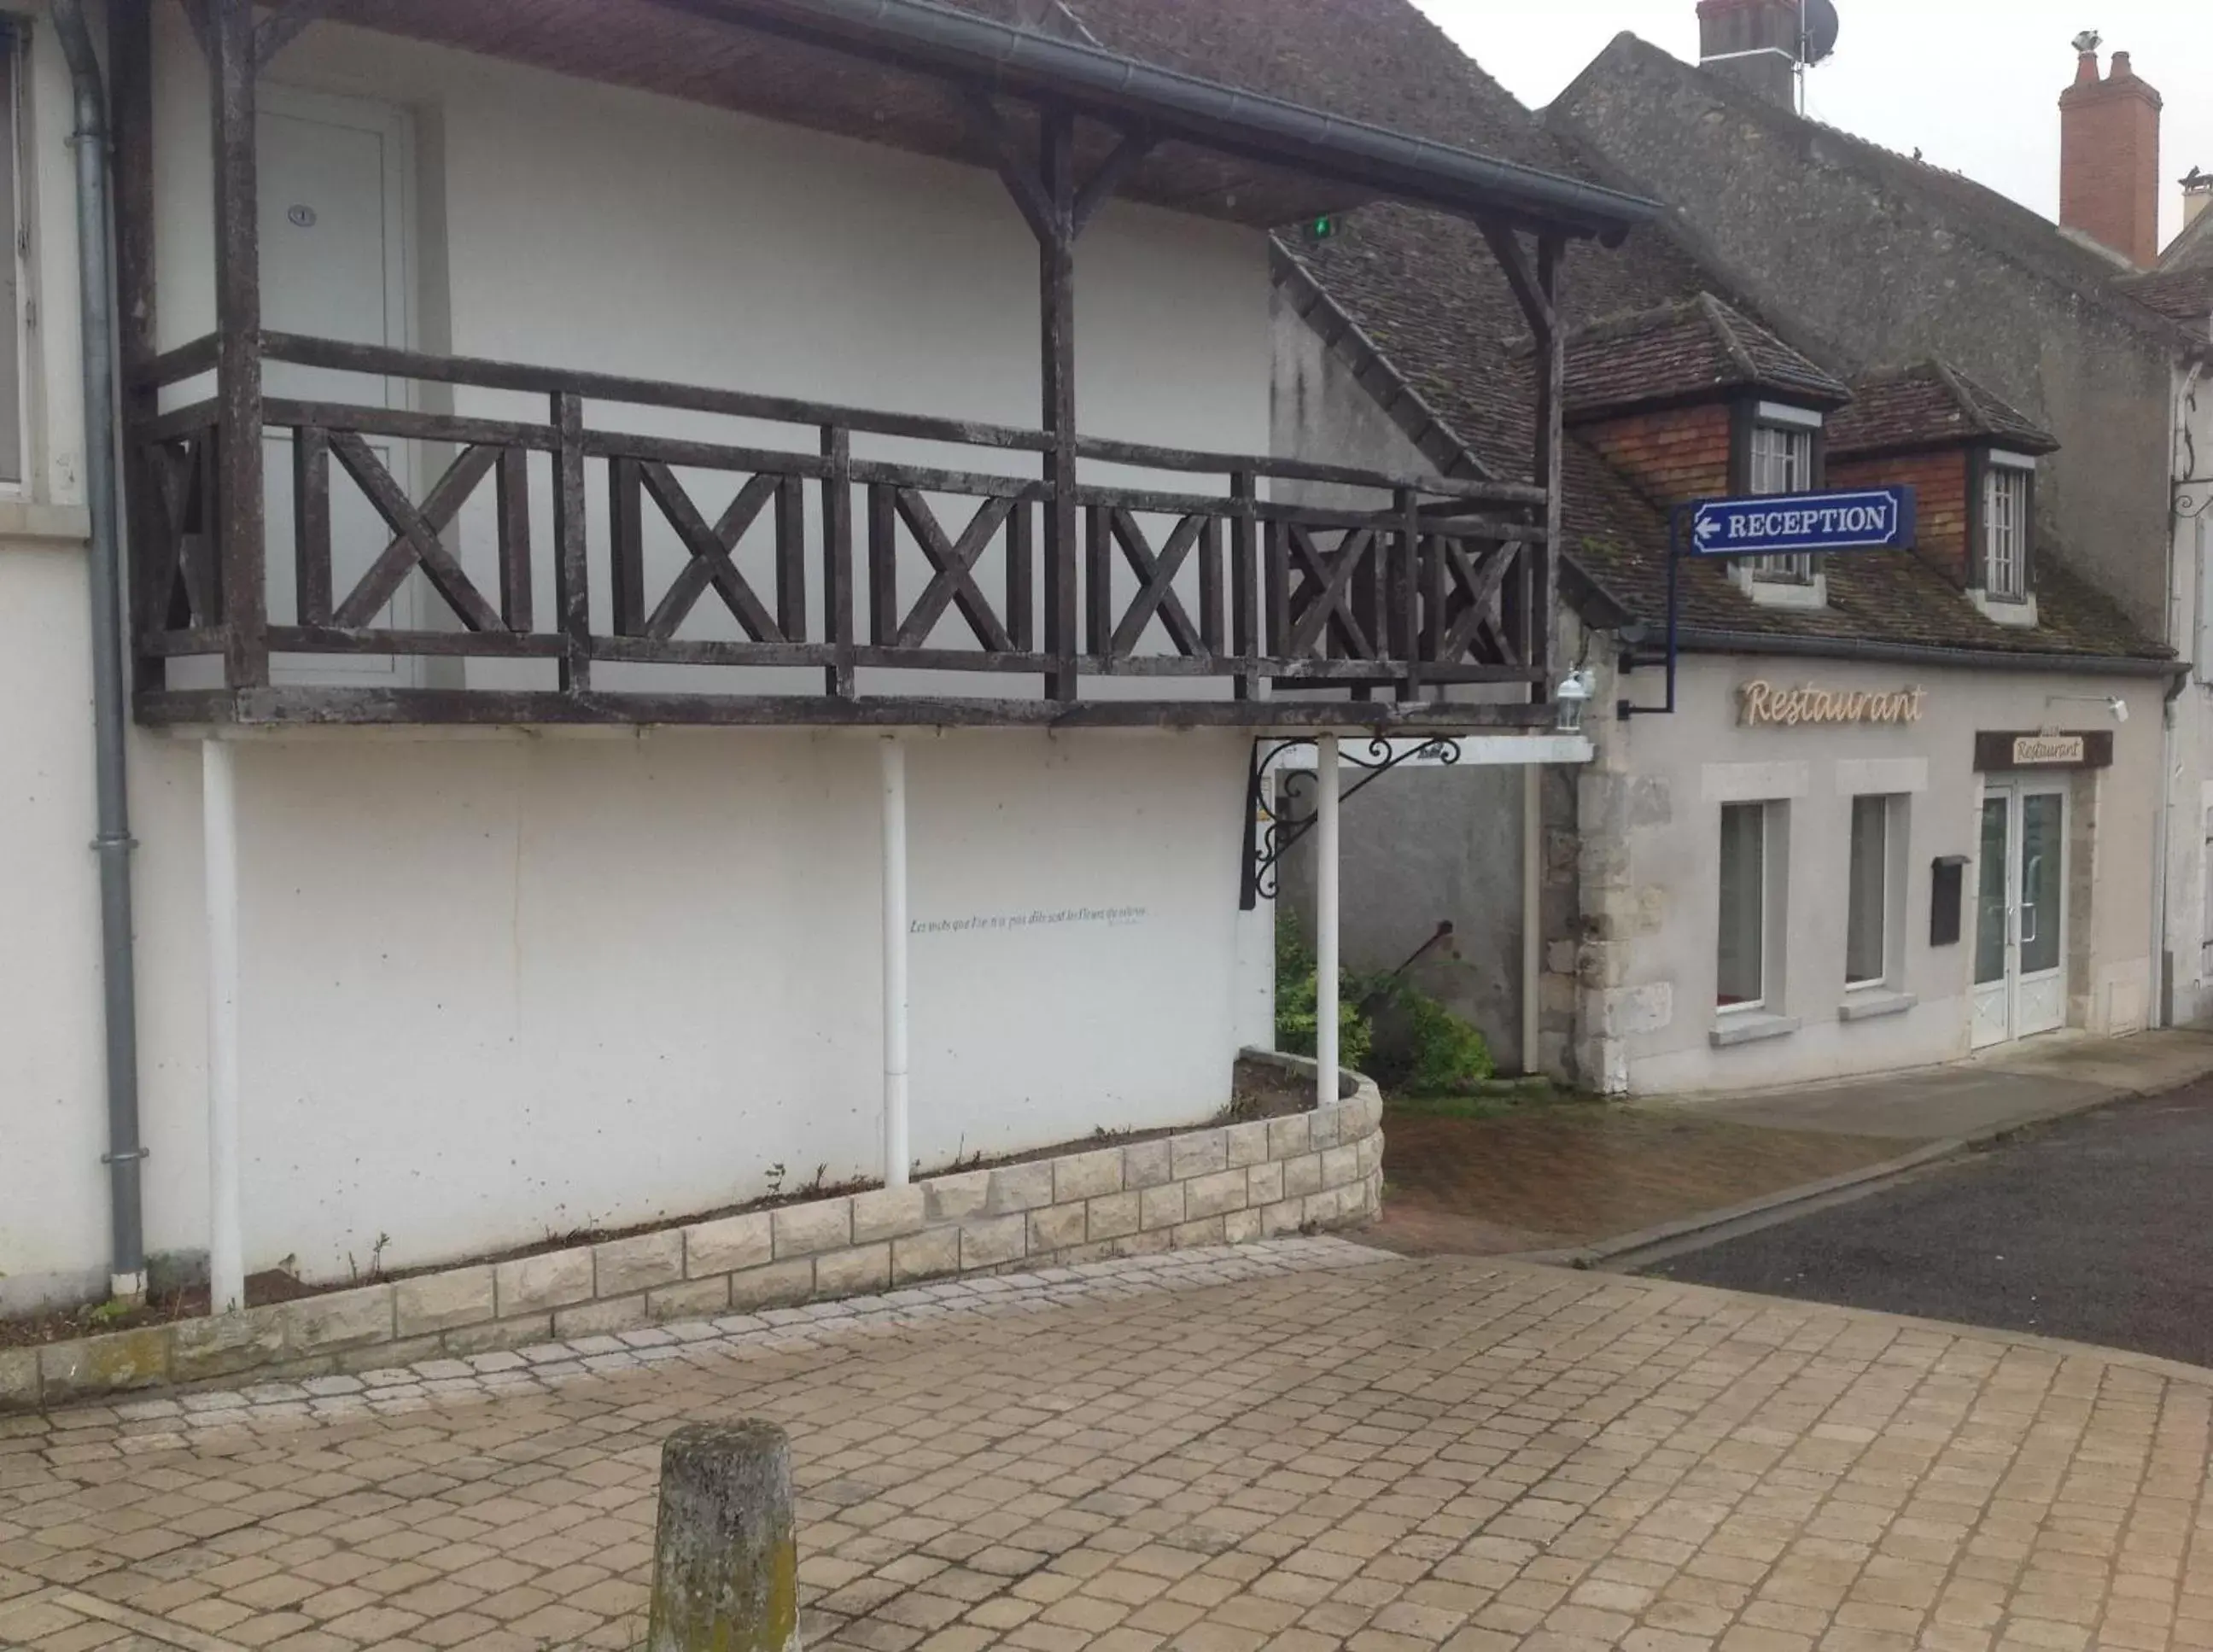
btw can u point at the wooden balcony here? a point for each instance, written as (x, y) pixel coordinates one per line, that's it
(833, 587)
(861, 567)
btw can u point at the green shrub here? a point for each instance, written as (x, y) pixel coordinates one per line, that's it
(1446, 1055)
(1296, 992)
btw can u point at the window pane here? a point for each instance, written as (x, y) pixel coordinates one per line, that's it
(1743, 854)
(1865, 955)
(1990, 894)
(2005, 532)
(1782, 462)
(2041, 850)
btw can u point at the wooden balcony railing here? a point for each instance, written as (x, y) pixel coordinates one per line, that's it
(824, 566)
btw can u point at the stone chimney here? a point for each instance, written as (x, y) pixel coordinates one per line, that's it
(2197, 194)
(1754, 42)
(2109, 155)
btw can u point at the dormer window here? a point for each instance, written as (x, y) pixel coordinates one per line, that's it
(1999, 583)
(2005, 527)
(1781, 454)
(1782, 462)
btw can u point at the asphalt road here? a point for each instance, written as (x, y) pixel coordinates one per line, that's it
(2099, 1229)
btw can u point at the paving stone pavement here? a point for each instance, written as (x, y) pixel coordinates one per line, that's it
(1293, 1448)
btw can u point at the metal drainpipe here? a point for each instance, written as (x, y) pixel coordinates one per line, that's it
(114, 844)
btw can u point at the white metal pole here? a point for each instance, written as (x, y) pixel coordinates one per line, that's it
(1326, 978)
(219, 851)
(895, 943)
(1533, 913)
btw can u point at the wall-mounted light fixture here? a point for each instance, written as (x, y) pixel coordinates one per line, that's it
(2112, 703)
(1573, 694)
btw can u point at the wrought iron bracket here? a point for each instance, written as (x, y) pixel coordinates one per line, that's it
(1271, 829)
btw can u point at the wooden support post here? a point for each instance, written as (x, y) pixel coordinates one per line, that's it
(131, 54)
(1022, 587)
(837, 559)
(726, 1543)
(627, 546)
(241, 503)
(572, 587)
(1545, 560)
(1244, 583)
(1098, 582)
(1056, 353)
(311, 523)
(1404, 592)
(512, 514)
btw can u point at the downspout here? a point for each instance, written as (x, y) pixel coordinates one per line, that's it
(112, 844)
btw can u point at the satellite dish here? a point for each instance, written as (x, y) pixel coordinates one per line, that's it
(1820, 29)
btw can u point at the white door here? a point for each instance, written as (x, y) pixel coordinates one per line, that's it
(2020, 940)
(334, 176)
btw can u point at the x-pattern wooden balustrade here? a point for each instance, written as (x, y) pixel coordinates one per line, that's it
(867, 562)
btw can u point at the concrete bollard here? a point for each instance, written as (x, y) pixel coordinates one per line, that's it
(726, 1549)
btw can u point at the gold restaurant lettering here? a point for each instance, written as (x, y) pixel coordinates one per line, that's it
(1762, 703)
(2048, 749)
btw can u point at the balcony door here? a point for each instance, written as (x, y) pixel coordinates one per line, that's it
(334, 183)
(2020, 918)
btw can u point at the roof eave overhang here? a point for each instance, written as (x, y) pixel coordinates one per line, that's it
(1585, 413)
(920, 36)
(1948, 442)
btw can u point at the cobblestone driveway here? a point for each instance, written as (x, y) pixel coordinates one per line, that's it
(1295, 1448)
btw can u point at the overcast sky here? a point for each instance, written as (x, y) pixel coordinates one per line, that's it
(1974, 84)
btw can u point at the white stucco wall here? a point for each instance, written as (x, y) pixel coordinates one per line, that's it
(506, 985)
(53, 1123)
(1680, 770)
(782, 262)
(2190, 780)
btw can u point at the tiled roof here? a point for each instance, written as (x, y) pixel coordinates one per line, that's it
(1927, 404)
(1975, 210)
(1686, 348)
(2184, 292)
(1425, 292)
(2192, 249)
(1380, 61)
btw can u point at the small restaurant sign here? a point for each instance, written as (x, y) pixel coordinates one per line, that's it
(2046, 749)
(1763, 704)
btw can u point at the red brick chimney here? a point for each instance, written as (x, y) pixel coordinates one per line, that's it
(1754, 42)
(2109, 155)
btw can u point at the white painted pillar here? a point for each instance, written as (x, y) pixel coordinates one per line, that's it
(219, 854)
(1533, 913)
(1325, 907)
(896, 1158)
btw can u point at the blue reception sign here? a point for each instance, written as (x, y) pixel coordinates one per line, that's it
(1851, 519)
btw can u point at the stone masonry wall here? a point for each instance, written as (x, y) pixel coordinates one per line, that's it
(1232, 1184)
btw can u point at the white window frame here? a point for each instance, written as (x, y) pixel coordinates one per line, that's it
(2007, 479)
(1891, 913)
(1787, 582)
(1762, 1004)
(1780, 460)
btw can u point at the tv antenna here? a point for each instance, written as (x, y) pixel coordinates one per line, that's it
(1817, 39)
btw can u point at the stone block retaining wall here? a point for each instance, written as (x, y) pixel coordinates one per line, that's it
(1231, 1184)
